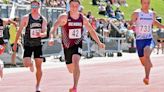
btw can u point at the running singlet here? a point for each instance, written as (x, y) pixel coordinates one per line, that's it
(33, 28)
(1, 28)
(144, 25)
(12, 32)
(72, 32)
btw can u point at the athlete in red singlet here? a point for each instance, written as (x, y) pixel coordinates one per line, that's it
(72, 36)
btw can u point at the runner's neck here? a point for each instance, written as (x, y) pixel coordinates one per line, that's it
(35, 16)
(74, 15)
(144, 10)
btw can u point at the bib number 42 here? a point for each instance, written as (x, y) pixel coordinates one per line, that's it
(75, 33)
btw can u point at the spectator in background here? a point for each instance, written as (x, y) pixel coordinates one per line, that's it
(160, 34)
(160, 43)
(102, 9)
(53, 3)
(94, 2)
(118, 14)
(89, 14)
(81, 8)
(122, 26)
(62, 3)
(56, 3)
(106, 29)
(109, 10)
(122, 2)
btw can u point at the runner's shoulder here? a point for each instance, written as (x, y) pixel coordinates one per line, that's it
(25, 17)
(63, 16)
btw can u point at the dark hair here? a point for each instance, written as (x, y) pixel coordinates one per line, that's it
(16, 19)
(74, 1)
(35, 1)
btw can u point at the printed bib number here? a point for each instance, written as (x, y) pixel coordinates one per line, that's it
(80, 50)
(35, 33)
(145, 28)
(1, 33)
(75, 33)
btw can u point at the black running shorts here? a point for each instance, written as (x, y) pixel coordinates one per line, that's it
(69, 52)
(37, 50)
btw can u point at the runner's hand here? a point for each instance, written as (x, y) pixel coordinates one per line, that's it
(101, 45)
(15, 47)
(51, 42)
(131, 28)
(38, 34)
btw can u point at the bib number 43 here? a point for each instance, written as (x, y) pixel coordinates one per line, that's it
(35, 33)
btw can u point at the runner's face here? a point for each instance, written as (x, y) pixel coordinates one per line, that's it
(145, 4)
(74, 6)
(35, 6)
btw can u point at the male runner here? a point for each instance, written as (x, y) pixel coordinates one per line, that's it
(35, 28)
(143, 19)
(72, 36)
(3, 22)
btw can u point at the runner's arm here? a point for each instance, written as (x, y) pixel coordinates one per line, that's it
(23, 24)
(133, 20)
(91, 30)
(8, 21)
(59, 22)
(156, 23)
(44, 28)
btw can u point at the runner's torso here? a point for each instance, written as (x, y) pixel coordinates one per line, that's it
(144, 25)
(1, 31)
(34, 26)
(72, 31)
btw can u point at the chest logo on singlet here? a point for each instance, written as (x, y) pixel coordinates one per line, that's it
(74, 24)
(35, 25)
(75, 33)
(35, 30)
(1, 31)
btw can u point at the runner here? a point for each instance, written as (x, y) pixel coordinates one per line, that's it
(143, 19)
(12, 32)
(72, 36)
(3, 22)
(35, 28)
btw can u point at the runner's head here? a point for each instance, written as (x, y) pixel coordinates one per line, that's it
(74, 5)
(145, 4)
(35, 5)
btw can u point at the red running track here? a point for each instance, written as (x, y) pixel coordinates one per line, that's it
(124, 76)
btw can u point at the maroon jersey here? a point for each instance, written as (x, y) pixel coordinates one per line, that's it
(72, 32)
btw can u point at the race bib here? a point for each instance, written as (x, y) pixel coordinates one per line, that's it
(145, 29)
(35, 33)
(1, 33)
(75, 33)
(80, 50)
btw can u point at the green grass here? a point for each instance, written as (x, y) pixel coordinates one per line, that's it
(158, 6)
(89, 7)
